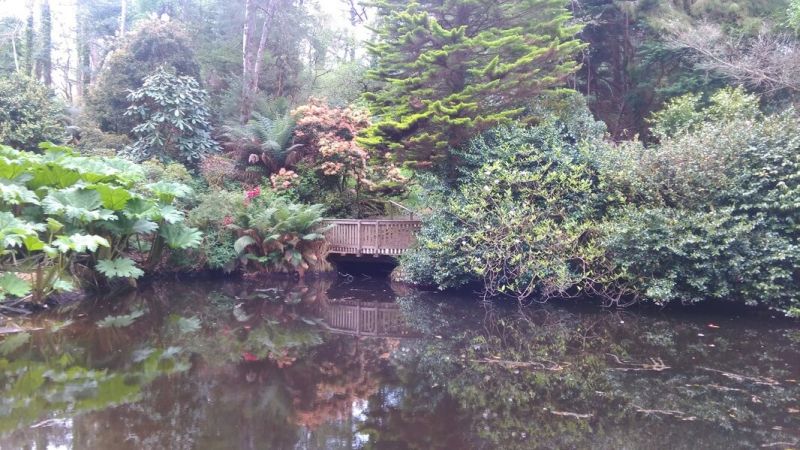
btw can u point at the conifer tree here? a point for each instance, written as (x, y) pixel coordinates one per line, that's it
(453, 68)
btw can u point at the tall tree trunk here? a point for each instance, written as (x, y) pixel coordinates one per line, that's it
(82, 47)
(123, 17)
(253, 53)
(47, 44)
(30, 42)
(14, 50)
(247, 31)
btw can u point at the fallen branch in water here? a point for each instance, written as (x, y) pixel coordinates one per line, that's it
(46, 423)
(738, 377)
(522, 364)
(570, 414)
(656, 364)
(665, 412)
(780, 444)
(717, 387)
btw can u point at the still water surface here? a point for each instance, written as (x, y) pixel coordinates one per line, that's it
(332, 364)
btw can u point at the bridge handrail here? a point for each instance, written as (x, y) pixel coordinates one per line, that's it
(410, 211)
(370, 236)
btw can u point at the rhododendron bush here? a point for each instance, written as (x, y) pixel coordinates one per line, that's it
(326, 137)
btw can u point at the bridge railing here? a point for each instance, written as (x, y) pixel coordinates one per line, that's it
(371, 237)
(366, 319)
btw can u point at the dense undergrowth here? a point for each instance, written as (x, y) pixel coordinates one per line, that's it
(710, 212)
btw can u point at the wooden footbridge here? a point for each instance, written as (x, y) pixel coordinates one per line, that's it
(376, 237)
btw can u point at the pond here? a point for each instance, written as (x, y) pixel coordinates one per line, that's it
(349, 363)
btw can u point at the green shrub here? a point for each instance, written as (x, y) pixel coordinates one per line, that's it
(152, 44)
(525, 221)
(214, 214)
(718, 204)
(689, 256)
(95, 142)
(220, 250)
(278, 235)
(710, 212)
(438, 259)
(218, 170)
(216, 208)
(28, 113)
(155, 170)
(173, 120)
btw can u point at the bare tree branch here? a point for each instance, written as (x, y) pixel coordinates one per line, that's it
(768, 62)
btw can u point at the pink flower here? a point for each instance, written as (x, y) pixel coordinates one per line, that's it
(252, 193)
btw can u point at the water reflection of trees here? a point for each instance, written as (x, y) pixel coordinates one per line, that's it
(549, 378)
(264, 373)
(263, 369)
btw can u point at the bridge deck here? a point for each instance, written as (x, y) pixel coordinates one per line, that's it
(371, 237)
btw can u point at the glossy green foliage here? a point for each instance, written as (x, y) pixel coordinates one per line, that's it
(525, 221)
(710, 212)
(28, 113)
(61, 213)
(717, 205)
(173, 119)
(451, 70)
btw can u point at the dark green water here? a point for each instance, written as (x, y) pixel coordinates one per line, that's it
(335, 365)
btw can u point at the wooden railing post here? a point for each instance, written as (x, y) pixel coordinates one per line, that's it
(358, 238)
(377, 237)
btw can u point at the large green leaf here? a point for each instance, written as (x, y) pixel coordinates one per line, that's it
(143, 226)
(90, 169)
(167, 191)
(77, 204)
(179, 236)
(126, 226)
(33, 243)
(79, 243)
(11, 285)
(140, 208)
(113, 198)
(169, 214)
(16, 194)
(14, 163)
(13, 231)
(53, 175)
(119, 268)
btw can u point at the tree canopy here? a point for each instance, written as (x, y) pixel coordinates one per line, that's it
(451, 69)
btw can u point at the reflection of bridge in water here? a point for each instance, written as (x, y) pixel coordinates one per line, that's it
(366, 319)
